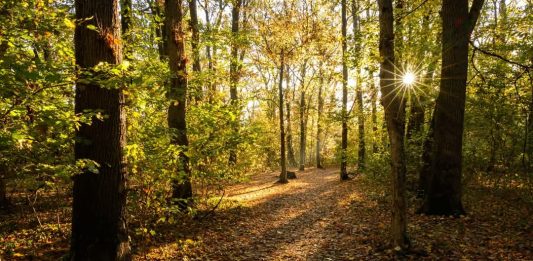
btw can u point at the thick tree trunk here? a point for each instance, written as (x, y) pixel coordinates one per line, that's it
(283, 161)
(395, 119)
(445, 189)
(182, 188)
(344, 113)
(319, 118)
(234, 71)
(99, 229)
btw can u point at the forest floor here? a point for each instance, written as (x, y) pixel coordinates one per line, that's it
(314, 217)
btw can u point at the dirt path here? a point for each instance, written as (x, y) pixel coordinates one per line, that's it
(318, 217)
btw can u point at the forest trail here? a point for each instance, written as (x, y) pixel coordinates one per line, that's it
(318, 217)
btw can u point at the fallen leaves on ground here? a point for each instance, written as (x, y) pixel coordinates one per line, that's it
(315, 217)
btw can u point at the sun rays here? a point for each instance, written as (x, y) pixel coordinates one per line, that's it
(410, 82)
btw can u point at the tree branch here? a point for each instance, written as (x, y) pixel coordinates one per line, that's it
(473, 15)
(523, 66)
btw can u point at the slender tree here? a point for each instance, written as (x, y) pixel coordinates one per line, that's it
(197, 92)
(303, 121)
(320, 111)
(283, 160)
(445, 189)
(359, 87)
(175, 44)
(395, 119)
(99, 229)
(234, 69)
(344, 113)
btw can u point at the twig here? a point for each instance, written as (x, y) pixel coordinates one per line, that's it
(214, 208)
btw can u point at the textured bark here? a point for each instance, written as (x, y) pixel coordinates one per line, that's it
(99, 229)
(344, 113)
(175, 44)
(445, 189)
(234, 70)
(395, 119)
(319, 118)
(283, 161)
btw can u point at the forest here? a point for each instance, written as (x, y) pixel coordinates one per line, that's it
(266, 130)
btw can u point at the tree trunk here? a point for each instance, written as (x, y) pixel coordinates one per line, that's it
(302, 131)
(234, 72)
(195, 42)
(283, 174)
(126, 9)
(290, 148)
(395, 119)
(359, 90)
(182, 189)
(445, 189)
(4, 202)
(156, 9)
(344, 141)
(425, 170)
(99, 230)
(319, 118)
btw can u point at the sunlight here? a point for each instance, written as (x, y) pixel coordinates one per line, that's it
(408, 78)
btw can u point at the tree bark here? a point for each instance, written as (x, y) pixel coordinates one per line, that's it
(234, 71)
(99, 229)
(283, 174)
(344, 137)
(182, 188)
(445, 189)
(395, 119)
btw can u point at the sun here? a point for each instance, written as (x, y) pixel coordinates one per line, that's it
(408, 78)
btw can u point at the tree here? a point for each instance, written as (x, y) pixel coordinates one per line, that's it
(283, 159)
(445, 189)
(195, 46)
(359, 88)
(175, 44)
(344, 112)
(395, 119)
(99, 230)
(234, 69)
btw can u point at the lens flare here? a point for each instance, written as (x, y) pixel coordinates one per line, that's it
(408, 78)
